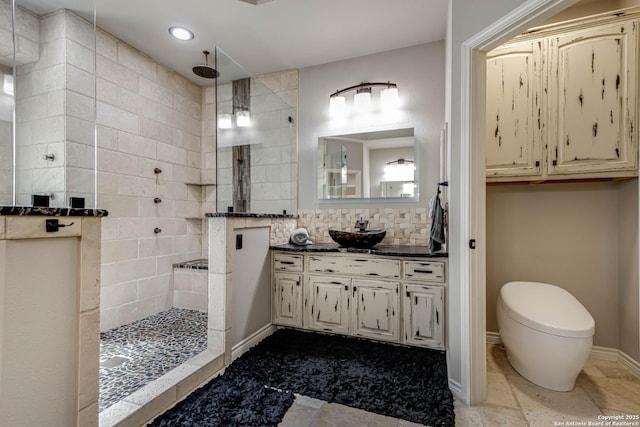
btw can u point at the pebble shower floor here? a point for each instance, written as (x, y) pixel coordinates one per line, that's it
(133, 355)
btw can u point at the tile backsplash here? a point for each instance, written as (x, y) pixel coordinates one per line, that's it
(405, 226)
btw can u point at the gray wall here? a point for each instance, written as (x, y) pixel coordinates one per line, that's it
(628, 298)
(419, 73)
(563, 234)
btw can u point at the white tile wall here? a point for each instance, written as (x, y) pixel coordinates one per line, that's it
(55, 108)
(27, 35)
(148, 117)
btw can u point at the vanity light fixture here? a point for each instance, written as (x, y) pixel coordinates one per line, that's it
(181, 33)
(7, 84)
(400, 170)
(243, 118)
(224, 121)
(362, 98)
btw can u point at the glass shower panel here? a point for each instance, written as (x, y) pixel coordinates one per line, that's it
(6, 102)
(55, 152)
(256, 144)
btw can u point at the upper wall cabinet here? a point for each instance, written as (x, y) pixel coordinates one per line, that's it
(563, 105)
(513, 111)
(592, 99)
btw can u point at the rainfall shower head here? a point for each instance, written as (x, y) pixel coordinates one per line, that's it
(205, 70)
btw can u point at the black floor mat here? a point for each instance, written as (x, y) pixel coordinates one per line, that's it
(402, 382)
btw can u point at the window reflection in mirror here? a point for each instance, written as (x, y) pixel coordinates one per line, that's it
(368, 165)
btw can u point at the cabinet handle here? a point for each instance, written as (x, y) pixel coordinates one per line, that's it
(437, 317)
(423, 271)
(555, 162)
(336, 283)
(297, 282)
(286, 262)
(346, 287)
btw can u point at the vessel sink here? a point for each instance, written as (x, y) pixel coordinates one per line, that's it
(357, 239)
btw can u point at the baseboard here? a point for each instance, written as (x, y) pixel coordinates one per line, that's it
(604, 353)
(253, 339)
(615, 355)
(456, 389)
(493, 338)
(597, 352)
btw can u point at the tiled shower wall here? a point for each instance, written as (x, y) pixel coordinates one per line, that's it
(55, 113)
(27, 33)
(405, 226)
(148, 117)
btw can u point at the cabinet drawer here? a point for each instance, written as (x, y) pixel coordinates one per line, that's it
(287, 262)
(424, 270)
(360, 266)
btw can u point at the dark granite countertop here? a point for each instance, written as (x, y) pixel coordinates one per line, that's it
(31, 210)
(389, 250)
(246, 215)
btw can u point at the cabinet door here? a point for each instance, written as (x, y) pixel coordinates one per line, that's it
(423, 316)
(287, 299)
(374, 311)
(592, 99)
(326, 304)
(514, 112)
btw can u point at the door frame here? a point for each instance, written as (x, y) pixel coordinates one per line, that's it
(472, 185)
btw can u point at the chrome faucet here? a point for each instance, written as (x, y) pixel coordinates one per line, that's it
(362, 224)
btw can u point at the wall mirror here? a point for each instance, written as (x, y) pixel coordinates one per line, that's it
(377, 164)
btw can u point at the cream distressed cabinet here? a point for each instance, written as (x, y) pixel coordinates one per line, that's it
(561, 103)
(514, 110)
(592, 99)
(379, 297)
(423, 303)
(286, 299)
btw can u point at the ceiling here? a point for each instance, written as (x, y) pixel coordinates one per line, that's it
(273, 35)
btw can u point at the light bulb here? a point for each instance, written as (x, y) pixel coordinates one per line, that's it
(224, 121)
(181, 33)
(389, 98)
(243, 119)
(362, 101)
(337, 105)
(7, 84)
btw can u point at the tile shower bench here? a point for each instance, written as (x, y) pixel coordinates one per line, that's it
(190, 286)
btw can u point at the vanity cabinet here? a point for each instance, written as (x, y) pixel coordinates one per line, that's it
(388, 298)
(561, 103)
(422, 318)
(375, 310)
(287, 299)
(326, 304)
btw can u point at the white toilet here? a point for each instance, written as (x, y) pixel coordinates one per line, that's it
(546, 331)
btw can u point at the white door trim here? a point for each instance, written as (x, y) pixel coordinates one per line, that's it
(472, 263)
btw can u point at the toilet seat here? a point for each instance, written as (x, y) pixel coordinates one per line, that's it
(546, 308)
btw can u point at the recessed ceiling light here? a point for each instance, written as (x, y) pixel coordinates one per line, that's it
(181, 33)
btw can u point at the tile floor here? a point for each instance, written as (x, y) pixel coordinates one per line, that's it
(133, 355)
(603, 388)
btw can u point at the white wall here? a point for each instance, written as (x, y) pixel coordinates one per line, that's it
(419, 74)
(39, 339)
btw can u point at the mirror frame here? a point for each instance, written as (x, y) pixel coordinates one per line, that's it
(363, 200)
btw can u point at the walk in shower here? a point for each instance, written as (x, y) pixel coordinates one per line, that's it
(86, 120)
